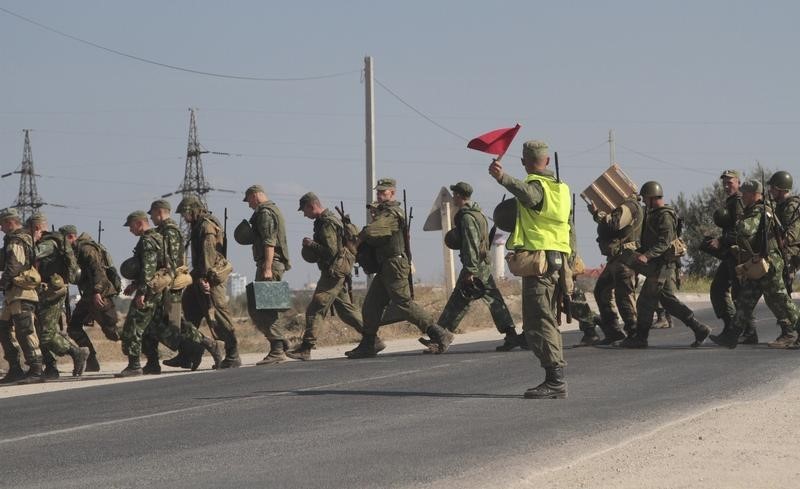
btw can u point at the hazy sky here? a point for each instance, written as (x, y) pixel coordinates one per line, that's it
(690, 88)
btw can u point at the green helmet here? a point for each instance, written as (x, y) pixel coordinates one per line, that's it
(452, 239)
(651, 189)
(505, 215)
(188, 203)
(309, 254)
(129, 269)
(243, 234)
(722, 218)
(781, 180)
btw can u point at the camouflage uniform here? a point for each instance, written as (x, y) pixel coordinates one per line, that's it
(538, 293)
(788, 213)
(269, 229)
(331, 290)
(473, 228)
(149, 253)
(659, 230)
(94, 278)
(724, 286)
(18, 313)
(617, 232)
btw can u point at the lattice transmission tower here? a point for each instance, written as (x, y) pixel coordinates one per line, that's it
(28, 199)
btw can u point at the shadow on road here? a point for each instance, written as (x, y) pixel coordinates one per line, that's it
(378, 393)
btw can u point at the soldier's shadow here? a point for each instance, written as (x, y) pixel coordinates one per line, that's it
(379, 393)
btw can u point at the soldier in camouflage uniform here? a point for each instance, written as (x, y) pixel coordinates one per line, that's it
(543, 210)
(657, 257)
(98, 285)
(19, 287)
(471, 238)
(57, 267)
(169, 327)
(335, 262)
(750, 245)
(147, 302)
(390, 284)
(617, 233)
(207, 297)
(271, 255)
(787, 210)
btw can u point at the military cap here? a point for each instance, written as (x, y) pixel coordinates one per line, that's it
(189, 202)
(533, 150)
(753, 186)
(160, 204)
(36, 218)
(68, 229)
(306, 198)
(462, 188)
(252, 189)
(730, 174)
(10, 213)
(135, 216)
(386, 183)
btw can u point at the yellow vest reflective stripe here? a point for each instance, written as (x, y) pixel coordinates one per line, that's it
(547, 228)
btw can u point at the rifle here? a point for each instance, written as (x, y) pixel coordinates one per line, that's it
(348, 279)
(407, 240)
(558, 173)
(225, 234)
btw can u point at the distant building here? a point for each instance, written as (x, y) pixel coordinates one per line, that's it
(236, 284)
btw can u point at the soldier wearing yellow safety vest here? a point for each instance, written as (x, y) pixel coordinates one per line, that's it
(540, 247)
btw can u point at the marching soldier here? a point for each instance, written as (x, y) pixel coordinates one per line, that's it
(617, 233)
(206, 297)
(658, 255)
(271, 255)
(760, 272)
(19, 283)
(98, 284)
(787, 210)
(542, 230)
(58, 267)
(335, 261)
(385, 242)
(471, 237)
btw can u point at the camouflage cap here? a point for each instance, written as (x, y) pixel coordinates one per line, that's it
(306, 198)
(533, 150)
(160, 204)
(730, 174)
(10, 213)
(752, 186)
(189, 202)
(135, 216)
(386, 184)
(462, 188)
(252, 189)
(68, 229)
(36, 218)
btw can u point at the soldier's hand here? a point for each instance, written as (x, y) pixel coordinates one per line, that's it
(592, 208)
(98, 300)
(138, 302)
(641, 258)
(307, 242)
(130, 289)
(714, 244)
(469, 278)
(496, 169)
(205, 286)
(267, 274)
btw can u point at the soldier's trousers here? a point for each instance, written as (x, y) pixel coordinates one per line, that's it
(136, 322)
(772, 287)
(582, 312)
(86, 313)
(168, 328)
(267, 320)
(458, 305)
(18, 316)
(659, 286)
(48, 317)
(330, 292)
(539, 321)
(213, 306)
(616, 285)
(724, 289)
(390, 286)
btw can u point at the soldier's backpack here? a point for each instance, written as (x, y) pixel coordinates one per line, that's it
(63, 262)
(108, 264)
(677, 247)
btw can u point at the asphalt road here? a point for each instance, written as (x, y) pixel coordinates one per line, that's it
(402, 420)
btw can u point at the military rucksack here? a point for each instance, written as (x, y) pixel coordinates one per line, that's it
(677, 247)
(108, 264)
(63, 262)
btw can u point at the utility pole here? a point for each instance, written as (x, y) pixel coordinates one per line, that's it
(99, 231)
(612, 148)
(369, 112)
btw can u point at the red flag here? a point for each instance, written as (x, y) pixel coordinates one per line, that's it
(495, 142)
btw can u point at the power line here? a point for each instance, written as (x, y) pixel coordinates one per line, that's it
(173, 67)
(650, 157)
(419, 112)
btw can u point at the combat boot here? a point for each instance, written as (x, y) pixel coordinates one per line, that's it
(613, 333)
(34, 375)
(302, 352)
(510, 341)
(590, 336)
(749, 335)
(553, 387)
(92, 365)
(440, 338)
(277, 353)
(152, 367)
(133, 369)
(79, 356)
(51, 372)
(232, 359)
(379, 344)
(634, 342)
(786, 339)
(663, 320)
(214, 349)
(365, 349)
(14, 374)
(700, 330)
(181, 360)
(728, 338)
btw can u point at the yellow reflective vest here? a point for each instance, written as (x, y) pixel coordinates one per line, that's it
(545, 229)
